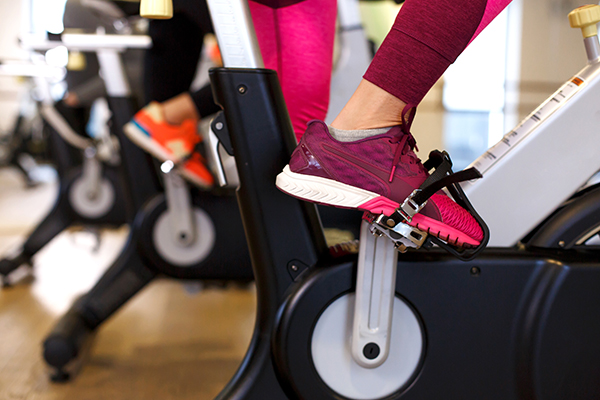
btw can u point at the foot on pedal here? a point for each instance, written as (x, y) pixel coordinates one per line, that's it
(357, 175)
(177, 143)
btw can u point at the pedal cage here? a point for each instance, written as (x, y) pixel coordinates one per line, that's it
(404, 236)
(464, 254)
(456, 192)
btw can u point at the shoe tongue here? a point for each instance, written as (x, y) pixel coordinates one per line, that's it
(396, 131)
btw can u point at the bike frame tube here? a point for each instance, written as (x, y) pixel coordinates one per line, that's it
(516, 194)
(285, 237)
(235, 33)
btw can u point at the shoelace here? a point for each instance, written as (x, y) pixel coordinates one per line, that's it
(407, 141)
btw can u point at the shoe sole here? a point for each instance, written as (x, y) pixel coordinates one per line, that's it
(145, 142)
(332, 193)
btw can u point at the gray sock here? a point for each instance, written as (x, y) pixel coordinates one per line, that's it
(351, 136)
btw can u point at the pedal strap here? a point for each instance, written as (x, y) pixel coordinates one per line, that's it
(429, 190)
(441, 177)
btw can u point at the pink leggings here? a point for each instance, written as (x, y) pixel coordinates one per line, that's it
(297, 42)
(427, 36)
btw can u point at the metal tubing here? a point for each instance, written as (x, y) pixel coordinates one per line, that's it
(235, 33)
(592, 48)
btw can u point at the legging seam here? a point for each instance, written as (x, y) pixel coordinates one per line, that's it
(278, 45)
(424, 44)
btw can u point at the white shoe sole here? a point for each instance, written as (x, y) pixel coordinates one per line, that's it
(322, 190)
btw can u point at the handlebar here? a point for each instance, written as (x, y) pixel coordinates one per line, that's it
(86, 42)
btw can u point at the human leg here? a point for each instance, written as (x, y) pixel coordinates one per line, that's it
(377, 171)
(297, 42)
(423, 42)
(167, 127)
(170, 64)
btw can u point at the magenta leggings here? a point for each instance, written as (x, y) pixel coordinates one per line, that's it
(427, 36)
(297, 42)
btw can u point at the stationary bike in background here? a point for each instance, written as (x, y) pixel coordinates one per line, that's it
(24, 146)
(178, 232)
(175, 231)
(519, 322)
(90, 191)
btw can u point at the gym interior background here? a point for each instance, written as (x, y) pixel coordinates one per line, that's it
(185, 340)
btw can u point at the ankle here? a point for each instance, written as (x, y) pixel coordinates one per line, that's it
(370, 107)
(179, 109)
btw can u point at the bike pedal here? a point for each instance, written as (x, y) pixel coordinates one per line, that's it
(403, 235)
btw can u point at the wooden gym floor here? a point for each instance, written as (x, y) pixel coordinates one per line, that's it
(172, 341)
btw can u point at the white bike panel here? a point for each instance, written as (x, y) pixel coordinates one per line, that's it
(332, 354)
(544, 168)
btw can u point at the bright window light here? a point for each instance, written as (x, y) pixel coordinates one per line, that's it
(47, 15)
(57, 57)
(475, 82)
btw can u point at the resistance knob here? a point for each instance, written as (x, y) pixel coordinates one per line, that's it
(586, 18)
(156, 9)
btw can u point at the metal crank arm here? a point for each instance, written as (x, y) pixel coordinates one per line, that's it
(376, 285)
(375, 291)
(179, 206)
(91, 173)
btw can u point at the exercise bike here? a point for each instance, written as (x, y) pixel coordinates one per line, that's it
(90, 191)
(174, 231)
(517, 322)
(23, 146)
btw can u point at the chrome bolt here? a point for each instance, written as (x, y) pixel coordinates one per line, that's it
(294, 268)
(219, 126)
(242, 89)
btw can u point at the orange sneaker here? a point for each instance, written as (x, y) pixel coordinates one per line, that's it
(177, 143)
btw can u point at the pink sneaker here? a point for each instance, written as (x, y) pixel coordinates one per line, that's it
(375, 174)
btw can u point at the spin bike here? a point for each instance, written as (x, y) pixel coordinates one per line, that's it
(518, 322)
(23, 146)
(175, 231)
(90, 192)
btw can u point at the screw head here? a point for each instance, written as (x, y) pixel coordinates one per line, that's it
(390, 222)
(371, 351)
(377, 232)
(561, 243)
(242, 89)
(219, 126)
(475, 271)
(294, 268)
(92, 196)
